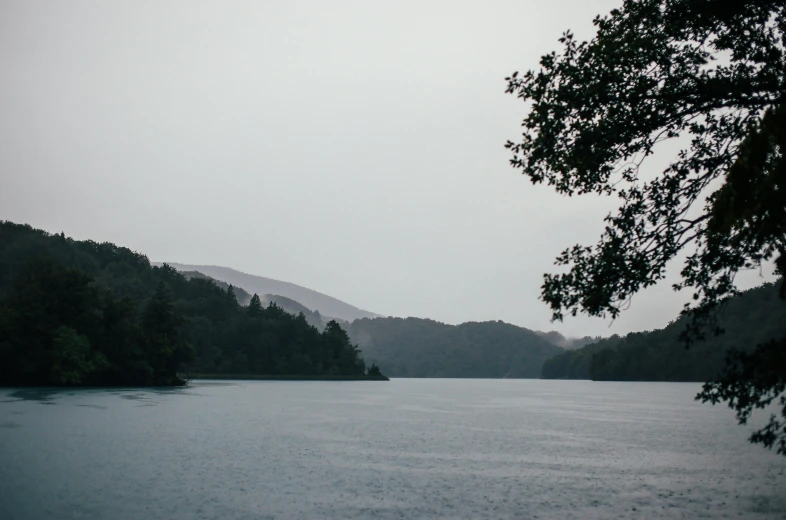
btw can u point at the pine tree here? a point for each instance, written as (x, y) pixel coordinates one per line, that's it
(255, 306)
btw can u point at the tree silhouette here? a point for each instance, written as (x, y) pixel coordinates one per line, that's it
(713, 73)
(254, 306)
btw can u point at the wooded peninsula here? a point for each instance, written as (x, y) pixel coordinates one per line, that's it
(83, 313)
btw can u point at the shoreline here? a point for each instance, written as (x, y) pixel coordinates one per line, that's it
(263, 377)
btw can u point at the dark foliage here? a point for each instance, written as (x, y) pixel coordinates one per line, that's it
(288, 304)
(293, 307)
(754, 380)
(273, 290)
(240, 294)
(753, 317)
(85, 313)
(711, 72)
(575, 364)
(414, 347)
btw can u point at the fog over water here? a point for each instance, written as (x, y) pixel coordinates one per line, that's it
(404, 449)
(354, 148)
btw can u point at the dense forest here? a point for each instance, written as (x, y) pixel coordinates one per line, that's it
(288, 304)
(83, 313)
(242, 297)
(415, 347)
(755, 316)
(327, 305)
(567, 343)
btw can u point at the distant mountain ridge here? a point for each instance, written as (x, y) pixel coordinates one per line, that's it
(291, 306)
(415, 347)
(327, 306)
(242, 296)
(567, 343)
(411, 347)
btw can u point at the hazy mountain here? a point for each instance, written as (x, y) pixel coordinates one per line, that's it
(567, 343)
(415, 347)
(313, 300)
(241, 295)
(291, 306)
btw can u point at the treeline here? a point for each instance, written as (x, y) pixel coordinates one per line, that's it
(756, 316)
(415, 347)
(242, 297)
(293, 307)
(567, 343)
(79, 312)
(288, 304)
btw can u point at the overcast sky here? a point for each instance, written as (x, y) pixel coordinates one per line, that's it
(355, 148)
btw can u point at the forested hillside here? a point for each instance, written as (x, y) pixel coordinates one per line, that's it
(243, 297)
(326, 305)
(80, 312)
(567, 343)
(415, 347)
(575, 364)
(753, 317)
(293, 307)
(288, 304)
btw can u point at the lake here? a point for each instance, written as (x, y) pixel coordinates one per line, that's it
(408, 448)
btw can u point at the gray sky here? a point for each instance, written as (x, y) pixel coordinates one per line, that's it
(355, 148)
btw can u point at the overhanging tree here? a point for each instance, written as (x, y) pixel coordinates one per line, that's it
(711, 73)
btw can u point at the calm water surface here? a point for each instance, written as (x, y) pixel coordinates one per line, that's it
(403, 449)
